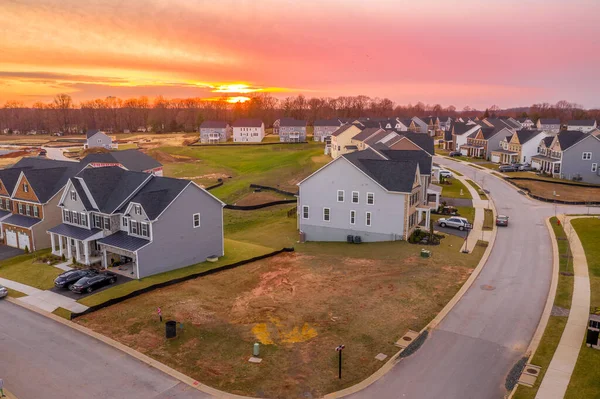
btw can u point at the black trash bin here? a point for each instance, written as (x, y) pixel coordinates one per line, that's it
(350, 239)
(357, 240)
(171, 329)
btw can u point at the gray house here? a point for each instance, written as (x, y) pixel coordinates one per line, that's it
(324, 127)
(583, 125)
(97, 139)
(361, 194)
(292, 130)
(548, 125)
(149, 224)
(215, 132)
(571, 155)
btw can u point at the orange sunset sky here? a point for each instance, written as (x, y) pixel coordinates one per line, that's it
(468, 52)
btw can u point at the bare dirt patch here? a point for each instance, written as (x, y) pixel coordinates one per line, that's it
(164, 157)
(565, 192)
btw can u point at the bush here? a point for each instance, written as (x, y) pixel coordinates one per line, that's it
(26, 249)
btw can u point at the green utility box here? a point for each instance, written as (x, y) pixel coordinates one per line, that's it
(425, 253)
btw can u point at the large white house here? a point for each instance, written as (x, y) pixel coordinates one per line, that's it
(248, 131)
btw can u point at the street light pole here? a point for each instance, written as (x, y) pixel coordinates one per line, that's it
(339, 349)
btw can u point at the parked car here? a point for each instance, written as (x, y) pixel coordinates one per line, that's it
(456, 221)
(446, 173)
(525, 167)
(455, 154)
(507, 168)
(68, 278)
(90, 283)
(3, 291)
(42, 153)
(501, 220)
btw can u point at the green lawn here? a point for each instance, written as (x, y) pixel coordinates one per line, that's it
(488, 219)
(489, 165)
(476, 187)
(453, 190)
(14, 293)
(564, 291)
(64, 313)
(585, 381)
(25, 269)
(269, 227)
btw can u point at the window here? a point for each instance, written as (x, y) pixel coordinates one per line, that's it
(340, 196)
(36, 212)
(28, 210)
(196, 219)
(352, 217)
(124, 222)
(26, 187)
(84, 219)
(586, 156)
(20, 208)
(138, 210)
(66, 215)
(75, 217)
(326, 214)
(370, 198)
(368, 218)
(134, 227)
(594, 167)
(73, 195)
(305, 212)
(144, 230)
(99, 141)
(355, 197)
(107, 223)
(97, 221)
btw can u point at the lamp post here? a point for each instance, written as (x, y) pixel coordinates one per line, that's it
(339, 350)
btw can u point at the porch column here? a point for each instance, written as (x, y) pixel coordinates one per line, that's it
(428, 218)
(86, 252)
(52, 243)
(77, 251)
(69, 249)
(104, 260)
(60, 245)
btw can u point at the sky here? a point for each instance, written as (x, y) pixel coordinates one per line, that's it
(468, 52)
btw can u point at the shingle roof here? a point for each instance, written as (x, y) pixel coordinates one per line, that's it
(422, 140)
(582, 122)
(81, 194)
(213, 125)
(133, 160)
(396, 176)
(78, 233)
(548, 141)
(91, 132)
(341, 129)
(9, 178)
(568, 138)
(366, 133)
(327, 122)
(157, 194)
(21, 221)
(291, 122)
(380, 136)
(461, 128)
(525, 135)
(448, 135)
(247, 123)
(124, 241)
(425, 160)
(550, 121)
(45, 183)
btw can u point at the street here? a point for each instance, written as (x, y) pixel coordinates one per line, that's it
(56, 154)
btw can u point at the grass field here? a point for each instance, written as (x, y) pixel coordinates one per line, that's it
(546, 189)
(299, 306)
(488, 219)
(453, 190)
(25, 269)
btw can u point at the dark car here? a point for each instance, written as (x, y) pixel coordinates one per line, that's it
(42, 153)
(507, 168)
(66, 279)
(454, 154)
(93, 282)
(502, 220)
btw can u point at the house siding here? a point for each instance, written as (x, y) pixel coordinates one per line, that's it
(52, 217)
(224, 134)
(339, 143)
(285, 131)
(99, 140)
(175, 242)
(320, 132)
(248, 134)
(572, 163)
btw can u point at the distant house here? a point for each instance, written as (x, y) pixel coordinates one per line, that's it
(341, 139)
(133, 160)
(521, 147)
(420, 125)
(248, 131)
(433, 125)
(215, 132)
(292, 130)
(585, 125)
(445, 123)
(481, 142)
(98, 139)
(548, 125)
(570, 155)
(324, 127)
(527, 123)
(460, 131)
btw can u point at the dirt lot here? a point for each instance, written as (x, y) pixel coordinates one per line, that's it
(300, 306)
(564, 192)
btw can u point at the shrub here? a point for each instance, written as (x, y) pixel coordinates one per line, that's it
(26, 249)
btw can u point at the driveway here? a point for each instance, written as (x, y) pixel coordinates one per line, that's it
(56, 153)
(472, 350)
(70, 294)
(7, 252)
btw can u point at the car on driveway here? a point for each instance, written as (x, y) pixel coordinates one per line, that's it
(507, 168)
(446, 173)
(3, 291)
(455, 154)
(501, 220)
(93, 282)
(68, 278)
(455, 221)
(525, 167)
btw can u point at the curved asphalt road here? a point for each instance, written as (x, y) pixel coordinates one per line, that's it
(472, 350)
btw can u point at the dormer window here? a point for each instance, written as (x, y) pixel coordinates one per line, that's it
(26, 187)
(137, 209)
(73, 195)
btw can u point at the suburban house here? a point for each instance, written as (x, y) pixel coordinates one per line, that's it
(341, 139)
(481, 142)
(527, 123)
(510, 122)
(133, 160)
(362, 194)
(420, 126)
(460, 132)
(548, 125)
(215, 132)
(447, 143)
(248, 131)
(149, 225)
(586, 125)
(292, 130)
(361, 139)
(518, 147)
(97, 139)
(433, 125)
(571, 155)
(445, 123)
(30, 192)
(324, 128)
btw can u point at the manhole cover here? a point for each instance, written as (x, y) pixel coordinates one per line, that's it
(532, 371)
(488, 287)
(407, 338)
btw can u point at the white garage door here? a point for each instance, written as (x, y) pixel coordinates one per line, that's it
(496, 158)
(11, 238)
(24, 241)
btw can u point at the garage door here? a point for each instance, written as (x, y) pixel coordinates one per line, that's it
(11, 238)
(496, 158)
(24, 241)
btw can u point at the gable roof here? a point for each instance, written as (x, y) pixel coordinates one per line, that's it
(525, 135)
(9, 178)
(213, 125)
(422, 140)
(366, 133)
(548, 140)
(327, 122)
(46, 176)
(246, 122)
(397, 176)
(133, 160)
(460, 128)
(425, 160)
(157, 194)
(568, 138)
(581, 122)
(549, 121)
(343, 128)
(91, 132)
(291, 122)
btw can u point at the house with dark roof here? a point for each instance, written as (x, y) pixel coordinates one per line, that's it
(518, 147)
(292, 130)
(98, 139)
(215, 132)
(420, 126)
(527, 123)
(583, 125)
(341, 139)
(248, 131)
(29, 193)
(483, 141)
(133, 160)
(571, 155)
(150, 225)
(374, 195)
(548, 125)
(323, 128)
(460, 133)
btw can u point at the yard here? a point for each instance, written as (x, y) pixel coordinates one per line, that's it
(564, 192)
(454, 189)
(299, 306)
(29, 269)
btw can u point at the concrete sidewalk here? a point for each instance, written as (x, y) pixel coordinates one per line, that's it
(557, 377)
(45, 300)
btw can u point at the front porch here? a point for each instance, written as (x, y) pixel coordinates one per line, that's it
(424, 210)
(434, 192)
(505, 157)
(76, 243)
(119, 251)
(546, 165)
(473, 151)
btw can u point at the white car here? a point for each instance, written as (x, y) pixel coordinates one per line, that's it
(446, 173)
(454, 221)
(3, 291)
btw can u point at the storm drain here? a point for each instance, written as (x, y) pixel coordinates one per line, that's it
(529, 375)
(406, 339)
(487, 287)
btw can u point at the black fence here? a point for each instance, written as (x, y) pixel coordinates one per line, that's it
(512, 180)
(259, 206)
(273, 189)
(219, 184)
(141, 291)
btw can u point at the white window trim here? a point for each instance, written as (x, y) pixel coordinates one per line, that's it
(194, 220)
(352, 214)
(368, 219)
(25, 187)
(357, 197)
(373, 195)
(594, 167)
(328, 213)
(343, 195)
(583, 156)
(125, 221)
(73, 195)
(307, 212)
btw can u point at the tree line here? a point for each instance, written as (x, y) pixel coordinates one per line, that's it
(113, 114)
